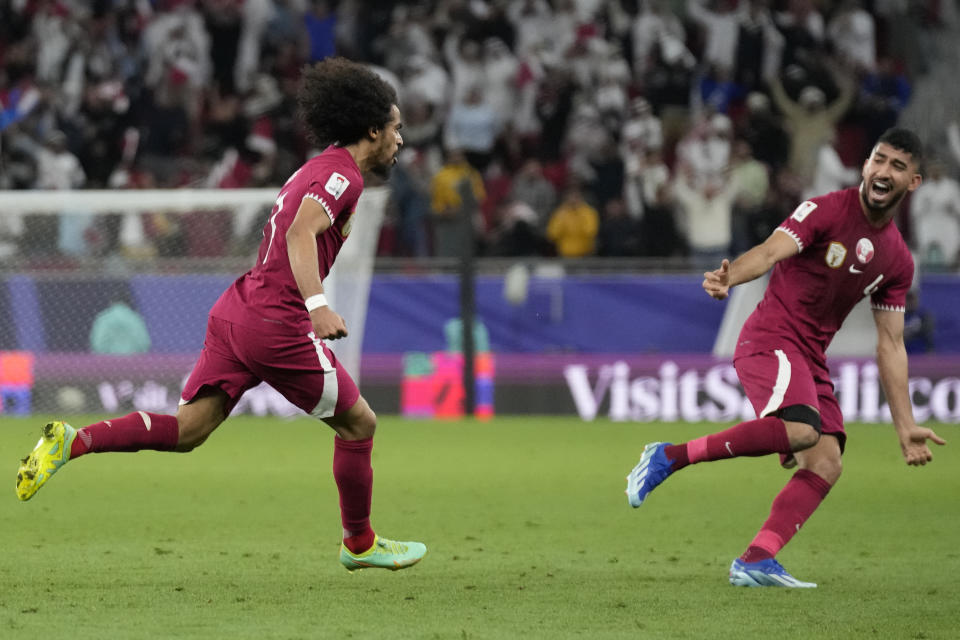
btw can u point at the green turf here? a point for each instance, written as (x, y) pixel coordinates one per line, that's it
(529, 532)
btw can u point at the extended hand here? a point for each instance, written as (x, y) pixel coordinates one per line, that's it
(914, 445)
(717, 283)
(327, 324)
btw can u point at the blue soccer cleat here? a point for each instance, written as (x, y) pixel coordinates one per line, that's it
(765, 573)
(653, 468)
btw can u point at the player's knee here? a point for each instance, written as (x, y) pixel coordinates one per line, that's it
(359, 423)
(803, 426)
(364, 425)
(828, 467)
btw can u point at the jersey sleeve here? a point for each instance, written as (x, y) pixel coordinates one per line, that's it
(335, 192)
(893, 295)
(806, 223)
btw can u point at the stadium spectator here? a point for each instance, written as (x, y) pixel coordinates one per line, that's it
(472, 127)
(803, 29)
(762, 129)
(918, 325)
(759, 47)
(780, 358)
(573, 225)
(142, 85)
(935, 219)
(811, 121)
(852, 32)
(654, 23)
(641, 130)
(534, 190)
(707, 214)
(271, 324)
(720, 25)
(410, 202)
(884, 94)
(518, 233)
(751, 181)
(119, 330)
(618, 235)
(645, 174)
(447, 207)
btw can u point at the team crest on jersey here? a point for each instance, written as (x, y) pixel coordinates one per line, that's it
(836, 254)
(864, 250)
(336, 185)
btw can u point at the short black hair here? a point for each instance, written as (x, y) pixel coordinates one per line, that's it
(906, 141)
(341, 100)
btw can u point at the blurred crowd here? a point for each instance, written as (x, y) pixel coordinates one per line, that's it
(660, 128)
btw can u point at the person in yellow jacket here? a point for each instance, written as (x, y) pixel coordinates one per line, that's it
(574, 225)
(446, 202)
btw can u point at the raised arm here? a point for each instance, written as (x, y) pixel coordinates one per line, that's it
(892, 363)
(312, 220)
(750, 266)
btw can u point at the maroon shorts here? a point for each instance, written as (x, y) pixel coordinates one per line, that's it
(777, 379)
(301, 367)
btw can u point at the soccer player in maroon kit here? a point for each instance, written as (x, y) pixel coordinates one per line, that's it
(831, 252)
(270, 325)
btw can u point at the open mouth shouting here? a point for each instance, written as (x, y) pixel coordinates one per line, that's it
(879, 193)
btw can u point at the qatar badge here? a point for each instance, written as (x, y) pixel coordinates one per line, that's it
(336, 185)
(864, 250)
(836, 253)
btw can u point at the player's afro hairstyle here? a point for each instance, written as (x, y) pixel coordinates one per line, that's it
(340, 101)
(904, 140)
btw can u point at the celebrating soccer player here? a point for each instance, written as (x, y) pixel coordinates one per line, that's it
(831, 252)
(271, 324)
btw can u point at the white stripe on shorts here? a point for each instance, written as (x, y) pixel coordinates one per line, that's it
(328, 400)
(780, 386)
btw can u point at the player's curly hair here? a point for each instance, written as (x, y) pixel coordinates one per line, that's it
(340, 100)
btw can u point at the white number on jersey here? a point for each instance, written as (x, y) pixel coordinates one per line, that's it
(873, 286)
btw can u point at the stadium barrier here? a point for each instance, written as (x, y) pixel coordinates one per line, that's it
(621, 387)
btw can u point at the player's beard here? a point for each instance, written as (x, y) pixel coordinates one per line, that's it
(879, 210)
(382, 170)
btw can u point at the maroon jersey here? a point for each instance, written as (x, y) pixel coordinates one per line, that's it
(267, 298)
(842, 259)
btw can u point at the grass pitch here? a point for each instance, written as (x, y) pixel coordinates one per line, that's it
(528, 530)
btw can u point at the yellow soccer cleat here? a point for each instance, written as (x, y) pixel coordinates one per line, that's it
(51, 453)
(384, 554)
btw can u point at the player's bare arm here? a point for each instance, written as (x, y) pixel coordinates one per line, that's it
(892, 363)
(312, 220)
(750, 266)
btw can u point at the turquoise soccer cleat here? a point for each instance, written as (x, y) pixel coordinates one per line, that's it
(51, 453)
(653, 468)
(384, 554)
(765, 573)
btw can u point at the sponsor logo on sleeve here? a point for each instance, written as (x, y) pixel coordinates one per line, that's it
(336, 185)
(803, 210)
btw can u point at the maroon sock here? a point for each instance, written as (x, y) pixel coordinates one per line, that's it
(133, 432)
(795, 503)
(758, 437)
(354, 477)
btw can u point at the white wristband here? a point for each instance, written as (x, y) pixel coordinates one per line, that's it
(315, 302)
